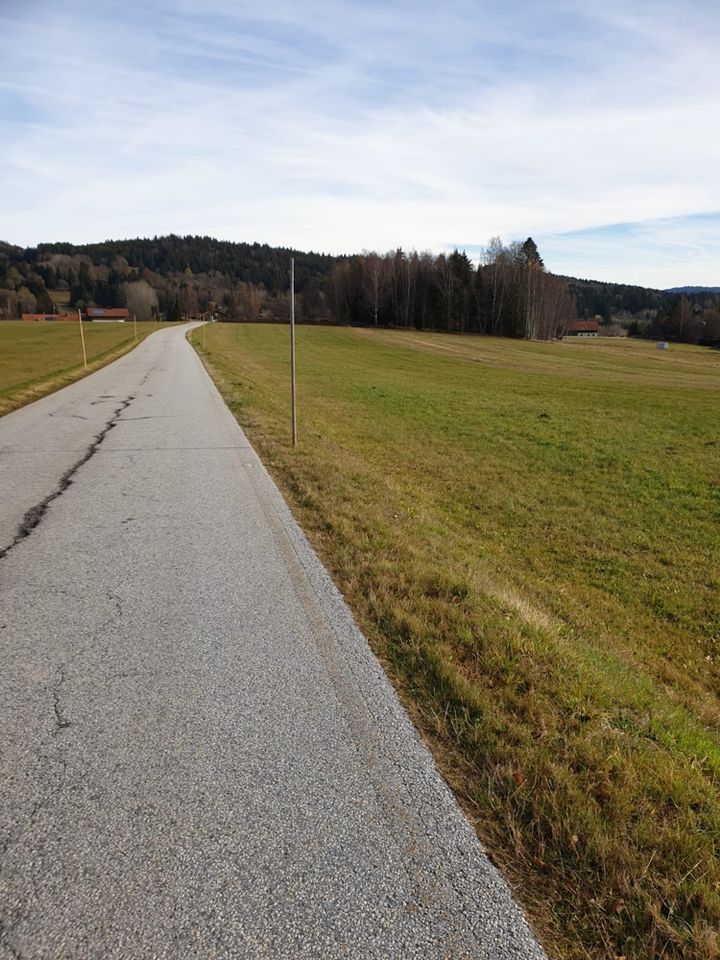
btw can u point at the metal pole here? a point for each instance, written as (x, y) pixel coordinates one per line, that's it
(292, 351)
(82, 338)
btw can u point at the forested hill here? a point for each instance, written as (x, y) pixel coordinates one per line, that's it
(170, 277)
(255, 263)
(690, 314)
(607, 300)
(509, 294)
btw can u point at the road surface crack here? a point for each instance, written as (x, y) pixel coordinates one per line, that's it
(36, 513)
(62, 723)
(116, 601)
(66, 416)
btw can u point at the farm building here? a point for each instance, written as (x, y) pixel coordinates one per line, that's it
(583, 328)
(216, 313)
(108, 314)
(42, 317)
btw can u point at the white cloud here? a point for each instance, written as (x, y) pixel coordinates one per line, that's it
(342, 126)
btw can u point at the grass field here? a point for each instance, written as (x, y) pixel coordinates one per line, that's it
(529, 535)
(37, 358)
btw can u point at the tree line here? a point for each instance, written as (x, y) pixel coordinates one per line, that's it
(508, 293)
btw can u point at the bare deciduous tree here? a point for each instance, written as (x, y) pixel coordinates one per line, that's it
(374, 276)
(141, 299)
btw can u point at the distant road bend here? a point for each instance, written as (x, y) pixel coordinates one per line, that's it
(200, 755)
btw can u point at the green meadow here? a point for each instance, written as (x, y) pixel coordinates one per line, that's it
(38, 358)
(529, 535)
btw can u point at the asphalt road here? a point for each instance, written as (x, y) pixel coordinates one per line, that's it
(200, 755)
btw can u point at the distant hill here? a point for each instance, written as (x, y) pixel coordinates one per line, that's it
(241, 262)
(693, 291)
(601, 298)
(690, 314)
(169, 276)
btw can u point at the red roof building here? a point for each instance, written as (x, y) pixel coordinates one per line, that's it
(41, 317)
(114, 314)
(583, 328)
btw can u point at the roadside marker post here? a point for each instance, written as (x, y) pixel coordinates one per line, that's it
(135, 326)
(293, 396)
(82, 338)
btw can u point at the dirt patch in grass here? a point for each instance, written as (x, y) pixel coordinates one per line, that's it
(528, 534)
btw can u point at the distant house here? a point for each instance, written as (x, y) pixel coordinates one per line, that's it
(583, 328)
(108, 314)
(216, 313)
(43, 317)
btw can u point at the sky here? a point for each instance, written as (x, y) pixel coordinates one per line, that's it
(343, 126)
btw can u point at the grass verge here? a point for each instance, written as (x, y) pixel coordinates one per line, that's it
(528, 535)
